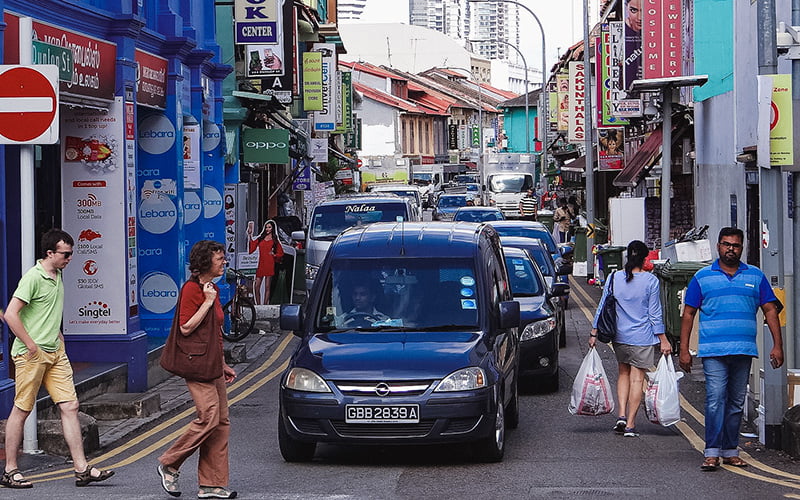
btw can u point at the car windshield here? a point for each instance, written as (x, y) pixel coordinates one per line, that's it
(478, 215)
(529, 232)
(330, 220)
(452, 201)
(524, 279)
(404, 193)
(399, 294)
(509, 183)
(422, 178)
(543, 259)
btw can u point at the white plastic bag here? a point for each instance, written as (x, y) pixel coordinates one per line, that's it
(591, 392)
(662, 401)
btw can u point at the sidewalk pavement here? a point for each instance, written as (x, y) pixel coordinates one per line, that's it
(172, 392)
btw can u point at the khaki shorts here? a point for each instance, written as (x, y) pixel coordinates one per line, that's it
(639, 356)
(51, 369)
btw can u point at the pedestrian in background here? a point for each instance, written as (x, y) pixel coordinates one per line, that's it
(34, 316)
(728, 294)
(527, 206)
(562, 221)
(640, 330)
(269, 252)
(208, 432)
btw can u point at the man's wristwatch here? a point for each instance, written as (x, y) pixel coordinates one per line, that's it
(593, 335)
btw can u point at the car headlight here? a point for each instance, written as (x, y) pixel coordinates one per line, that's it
(466, 379)
(538, 329)
(302, 379)
(311, 271)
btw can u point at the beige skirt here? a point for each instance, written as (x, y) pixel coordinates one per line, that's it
(640, 356)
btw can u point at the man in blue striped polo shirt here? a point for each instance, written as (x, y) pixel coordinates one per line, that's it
(728, 294)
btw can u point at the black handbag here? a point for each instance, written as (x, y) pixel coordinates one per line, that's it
(197, 356)
(607, 321)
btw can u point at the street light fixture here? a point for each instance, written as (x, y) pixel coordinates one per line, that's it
(525, 65)
(545, 114)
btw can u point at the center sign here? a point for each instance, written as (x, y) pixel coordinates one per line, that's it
(29, 104)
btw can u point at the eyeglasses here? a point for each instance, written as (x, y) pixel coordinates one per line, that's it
(728, 244)
(66, 255)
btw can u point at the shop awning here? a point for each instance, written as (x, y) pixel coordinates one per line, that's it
(644, 157)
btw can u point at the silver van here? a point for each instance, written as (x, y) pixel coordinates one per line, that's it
(330, 218)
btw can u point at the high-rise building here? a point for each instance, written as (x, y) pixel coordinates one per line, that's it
(350, 9)
(444, 16)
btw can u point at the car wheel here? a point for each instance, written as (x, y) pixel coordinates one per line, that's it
(492, 448)
(293, 450)
(512, 411)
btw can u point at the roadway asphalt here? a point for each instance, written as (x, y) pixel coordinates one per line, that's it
(175, 398)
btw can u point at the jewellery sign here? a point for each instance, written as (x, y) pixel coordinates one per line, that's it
(662, 38)
(93, 194)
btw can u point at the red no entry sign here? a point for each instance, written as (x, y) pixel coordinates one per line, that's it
(29, 104)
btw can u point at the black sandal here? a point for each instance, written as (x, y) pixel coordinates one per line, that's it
(14, 479)
(86, 477)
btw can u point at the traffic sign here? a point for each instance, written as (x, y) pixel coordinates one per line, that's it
(29, 104)
(46, 53)
(359, 163)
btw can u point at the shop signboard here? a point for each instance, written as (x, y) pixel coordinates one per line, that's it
(261, 145)
(312, 81)
(325, 119)
(266, 29)
(94, 60)
(191, 156)
(46, 53)
(577, 100)
(257, 21)
(151, 78)
(94, 190)
(662, 39)
(303, 180)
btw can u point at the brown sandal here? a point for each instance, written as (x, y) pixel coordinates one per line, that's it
(734, 462)
(710, 464)
(14, 479)
(86, 477)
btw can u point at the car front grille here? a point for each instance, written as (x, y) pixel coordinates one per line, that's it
(421, 429)
(461, 425)
(308, 426)
(372, 388)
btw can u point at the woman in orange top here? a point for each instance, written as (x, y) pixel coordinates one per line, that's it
(269, 252)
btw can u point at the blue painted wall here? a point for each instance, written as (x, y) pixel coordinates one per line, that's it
(514, 125)
(713, 46)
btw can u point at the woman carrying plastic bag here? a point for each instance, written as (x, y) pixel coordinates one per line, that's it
(591, 391)
(662, 401)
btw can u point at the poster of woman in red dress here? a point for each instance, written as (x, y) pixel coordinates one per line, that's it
(270, 251)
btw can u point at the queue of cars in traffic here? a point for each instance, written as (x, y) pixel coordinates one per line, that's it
(419, 332)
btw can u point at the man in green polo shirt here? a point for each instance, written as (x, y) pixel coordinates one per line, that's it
(34, 316)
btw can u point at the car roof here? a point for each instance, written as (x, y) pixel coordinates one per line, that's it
(521, 240)
(364, 199)
(477, 209)
(410, 239)
(520, 223)
(515, 252)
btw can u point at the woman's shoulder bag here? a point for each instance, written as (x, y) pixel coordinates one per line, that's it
(197, 356)
(607, 321)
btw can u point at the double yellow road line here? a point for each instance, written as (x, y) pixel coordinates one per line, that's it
(588, 307)
(174, 426)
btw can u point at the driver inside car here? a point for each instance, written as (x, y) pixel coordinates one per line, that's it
(363, 312)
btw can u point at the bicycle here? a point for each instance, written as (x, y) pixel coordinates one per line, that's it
(240, 311)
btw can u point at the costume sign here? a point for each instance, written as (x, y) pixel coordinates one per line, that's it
(93, 195)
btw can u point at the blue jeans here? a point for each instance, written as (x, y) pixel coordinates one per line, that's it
(726, 385)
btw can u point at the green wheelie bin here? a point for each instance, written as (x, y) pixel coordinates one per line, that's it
(674, 278)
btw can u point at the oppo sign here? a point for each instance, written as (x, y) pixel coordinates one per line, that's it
(158, 292)
(156, 134)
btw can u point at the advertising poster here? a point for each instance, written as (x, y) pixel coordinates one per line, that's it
(781, 149)
(191, 156)
(609, 82)
(130, 200)
(633, 42)
(94, 189)
(610, 148)
(562, 81)
(312, 81)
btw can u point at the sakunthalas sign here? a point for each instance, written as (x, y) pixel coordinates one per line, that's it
(577, 102)
(661, 38)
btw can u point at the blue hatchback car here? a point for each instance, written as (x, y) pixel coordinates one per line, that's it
(409, 336)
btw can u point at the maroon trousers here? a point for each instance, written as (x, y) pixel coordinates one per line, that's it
(209, 432)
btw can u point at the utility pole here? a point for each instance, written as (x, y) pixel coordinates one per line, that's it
(587, 64)
(774, 398)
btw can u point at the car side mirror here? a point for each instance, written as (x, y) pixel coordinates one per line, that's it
(292, 318)
(563, 267)
(509, 314)
(298, 235)
(559, 289)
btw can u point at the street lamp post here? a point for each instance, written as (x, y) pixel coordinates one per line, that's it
(545, 114)
(527, 115)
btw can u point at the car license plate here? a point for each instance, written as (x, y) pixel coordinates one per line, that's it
(381, 414)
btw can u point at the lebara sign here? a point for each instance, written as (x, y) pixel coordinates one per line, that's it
(158, 292)
(156, 134)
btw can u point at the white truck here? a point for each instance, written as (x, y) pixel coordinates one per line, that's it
(506, 178)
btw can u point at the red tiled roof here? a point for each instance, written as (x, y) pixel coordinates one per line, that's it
(389, 99)
(371, 69)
